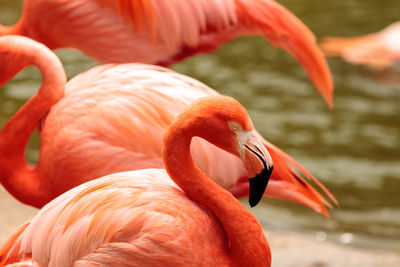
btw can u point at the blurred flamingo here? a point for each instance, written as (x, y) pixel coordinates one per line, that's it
(112, 119)
(140, 218)
(379, 50)
(164, 32)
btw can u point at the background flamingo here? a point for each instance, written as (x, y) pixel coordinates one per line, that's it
(164, 32)
(112, 119)
(141, 218)
(377, 50)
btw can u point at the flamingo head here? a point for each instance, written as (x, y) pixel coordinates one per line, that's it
(225, 123)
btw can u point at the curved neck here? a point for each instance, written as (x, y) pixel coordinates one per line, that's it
(20, 179)
(248, 245)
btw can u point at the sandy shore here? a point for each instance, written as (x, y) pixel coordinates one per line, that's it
(297, 250)
(288, 249)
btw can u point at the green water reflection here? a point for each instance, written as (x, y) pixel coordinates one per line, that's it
(353, 149)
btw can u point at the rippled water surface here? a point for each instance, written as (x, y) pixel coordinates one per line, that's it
(353, 149)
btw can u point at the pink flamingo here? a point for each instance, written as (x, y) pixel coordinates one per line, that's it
(140, 218)
(379, 50)
(111, 119)
(164, 32)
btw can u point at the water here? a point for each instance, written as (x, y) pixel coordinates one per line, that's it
(353, 150)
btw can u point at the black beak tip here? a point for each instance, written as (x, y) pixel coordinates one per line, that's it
(253, 202)
(258, 184)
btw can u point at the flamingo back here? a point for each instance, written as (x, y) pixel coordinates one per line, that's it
(113, 117)
(114, 221)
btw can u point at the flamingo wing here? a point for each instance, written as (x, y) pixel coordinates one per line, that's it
(292, 186)
(124, 219)
(196, 26)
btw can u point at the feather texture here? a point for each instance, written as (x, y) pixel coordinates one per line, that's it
(164, 32)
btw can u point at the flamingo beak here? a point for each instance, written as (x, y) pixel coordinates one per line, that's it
(259, 166)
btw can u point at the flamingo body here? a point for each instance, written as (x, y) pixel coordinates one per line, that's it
(379, 50)
(126, 219)
(141, 218)
(112, 119)
(164, 32)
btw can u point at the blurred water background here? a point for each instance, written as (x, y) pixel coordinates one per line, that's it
(353, 149)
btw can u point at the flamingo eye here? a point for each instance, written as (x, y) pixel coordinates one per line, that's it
(235, 127)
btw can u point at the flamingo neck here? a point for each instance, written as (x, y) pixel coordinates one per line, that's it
(247, 244)
(20, 179)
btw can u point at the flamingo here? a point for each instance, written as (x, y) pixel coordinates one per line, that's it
(140, 218)
(164, 32)
(379, 50)
(111, 119)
